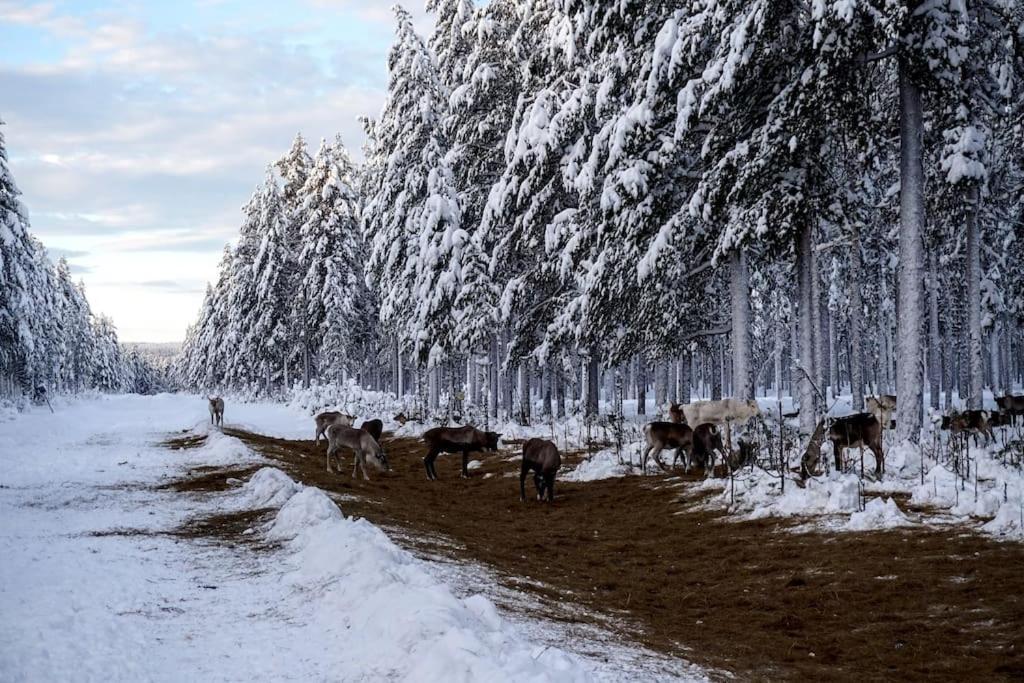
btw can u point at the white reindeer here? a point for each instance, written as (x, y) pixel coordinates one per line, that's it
(362, 444)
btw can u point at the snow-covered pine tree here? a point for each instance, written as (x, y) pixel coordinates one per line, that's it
(452, 40)
(339, 310)
(272, 268)
(396, 181)
(294, 168)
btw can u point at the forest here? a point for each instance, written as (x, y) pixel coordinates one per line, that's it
(565, 204)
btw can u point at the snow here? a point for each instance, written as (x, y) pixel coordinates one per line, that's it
(91, 588)
(878, 514)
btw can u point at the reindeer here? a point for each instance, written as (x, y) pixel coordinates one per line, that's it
(676, 414)
(707, 441)
(325, 420)
(463, 440)
(216, 410)
(373, 427)
(1011, 407)
(882, 407)
(729, 410)
(541, 456)
(661, 435)
(362, 444)
(859, 429)
(970, 422)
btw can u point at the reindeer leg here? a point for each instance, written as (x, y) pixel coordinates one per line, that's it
(549, 482)
(355, 462)
(643, 460)
(362, 466)
(657, 458)
(538, 484)
(522, 483)
(428, 462)
(465, 464)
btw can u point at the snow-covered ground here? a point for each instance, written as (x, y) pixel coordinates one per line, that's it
(91, 588)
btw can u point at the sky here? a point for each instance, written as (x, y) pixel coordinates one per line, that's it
(136, 130)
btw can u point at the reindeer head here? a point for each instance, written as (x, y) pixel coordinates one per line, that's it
(491, 440)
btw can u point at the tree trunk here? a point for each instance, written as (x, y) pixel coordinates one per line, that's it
(816, 321)
(717, 369)
(934, 343)
(559, 389)
(805, 370)
(641, 386)
(661, 384)
(974, 348)
(434, 396)
(911, 260)
(780, 346)
(856, 335)
(492, 377)
(685, 371)
(592, 399)
(672, 368)
(739, 294)
(524, 391)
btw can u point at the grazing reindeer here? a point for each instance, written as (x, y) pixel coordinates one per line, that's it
(661, 435)
(373, 427)
(676, 414)
(707, 441)
(859, 429)
(216, 410)
(463, 440)
(541, 456)
(325, 420)
(401, 419)
(362, 444)
(1011, 406)
(882, 407)
(970, 422)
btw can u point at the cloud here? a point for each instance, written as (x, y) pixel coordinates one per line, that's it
(186, 287)
(146, 129)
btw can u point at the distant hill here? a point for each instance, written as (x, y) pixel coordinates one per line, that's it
(159, 352)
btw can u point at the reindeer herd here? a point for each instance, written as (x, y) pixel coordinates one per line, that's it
(694, 431)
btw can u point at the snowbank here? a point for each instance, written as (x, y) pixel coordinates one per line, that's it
(878, 514)
(760, 494)
(393, 619)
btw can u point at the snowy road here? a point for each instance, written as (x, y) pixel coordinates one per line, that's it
(92, 588)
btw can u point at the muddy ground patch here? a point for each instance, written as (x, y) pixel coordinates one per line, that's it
(753, 598)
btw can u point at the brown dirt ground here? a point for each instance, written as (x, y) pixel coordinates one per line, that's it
(751, 598)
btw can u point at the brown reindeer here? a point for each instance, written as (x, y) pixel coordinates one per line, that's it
(216, 410)
(362, 444)
(1011, 407)
(541, 456)
(970, 422)
(331, 417)
(373, 427)
(707, 441)
(464, 440)
(859, 429)
(661, 435)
